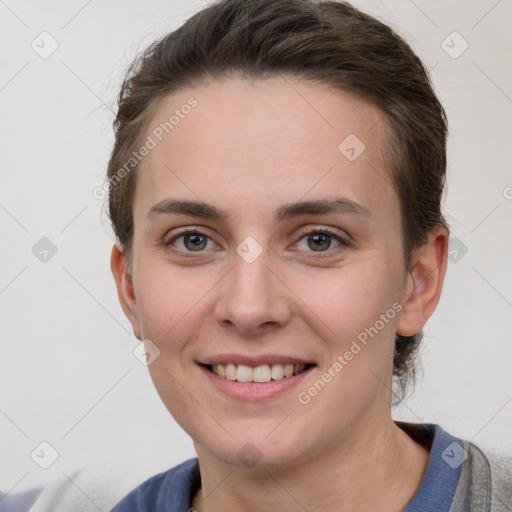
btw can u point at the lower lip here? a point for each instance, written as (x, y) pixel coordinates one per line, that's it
(255, 390)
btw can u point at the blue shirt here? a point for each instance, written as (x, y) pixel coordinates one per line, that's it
(173, 490)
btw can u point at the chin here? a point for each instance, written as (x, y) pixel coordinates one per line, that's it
(255, 449)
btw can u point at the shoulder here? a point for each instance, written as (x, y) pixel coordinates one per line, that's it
(501, 481)
(461, 473)
(485, 480)
(168, 489)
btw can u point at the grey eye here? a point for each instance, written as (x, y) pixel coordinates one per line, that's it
(191, 242)
(318, 241)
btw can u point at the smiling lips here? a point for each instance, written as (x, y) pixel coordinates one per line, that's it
(261, 373)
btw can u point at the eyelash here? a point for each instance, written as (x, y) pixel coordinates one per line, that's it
(314, 231)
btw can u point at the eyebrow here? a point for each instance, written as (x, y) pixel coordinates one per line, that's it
(287, 211)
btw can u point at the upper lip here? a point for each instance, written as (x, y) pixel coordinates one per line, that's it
(253, 360)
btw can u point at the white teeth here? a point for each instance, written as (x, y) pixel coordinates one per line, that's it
(277, 371)
(262, 373)
(244, 373)
(230, 371)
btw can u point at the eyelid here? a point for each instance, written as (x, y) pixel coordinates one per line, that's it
(321, 229)
(180, 231)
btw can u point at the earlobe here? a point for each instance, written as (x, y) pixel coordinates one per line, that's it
(424, 282)
(125, 289)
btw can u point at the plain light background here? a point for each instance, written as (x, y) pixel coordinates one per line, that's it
(68, 373)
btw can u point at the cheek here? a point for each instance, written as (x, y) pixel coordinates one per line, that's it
(350, 298)
(358, 324)
(172, 303)
(357, 307)
(162, 300)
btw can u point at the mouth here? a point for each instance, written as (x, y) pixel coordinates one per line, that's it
(261, 374)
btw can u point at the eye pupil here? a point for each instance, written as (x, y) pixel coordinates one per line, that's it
(198, 241)
(321, 241)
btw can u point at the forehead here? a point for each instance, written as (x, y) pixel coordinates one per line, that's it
(265, 141)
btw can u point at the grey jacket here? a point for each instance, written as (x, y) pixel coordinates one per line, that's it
(485, 483)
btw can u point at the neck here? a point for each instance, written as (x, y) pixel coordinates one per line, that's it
(378, 468)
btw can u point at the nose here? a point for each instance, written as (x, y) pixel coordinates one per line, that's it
(252, 298)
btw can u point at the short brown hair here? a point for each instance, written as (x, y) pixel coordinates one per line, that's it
(324, 41)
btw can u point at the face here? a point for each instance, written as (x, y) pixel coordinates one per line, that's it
(295, 265)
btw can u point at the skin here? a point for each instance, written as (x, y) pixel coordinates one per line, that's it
(250, 147)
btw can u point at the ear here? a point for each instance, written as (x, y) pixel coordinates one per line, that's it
(424, 282)
(125, 290)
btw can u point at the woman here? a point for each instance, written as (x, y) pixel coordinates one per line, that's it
(275, 191)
